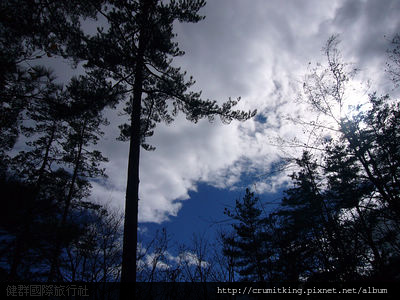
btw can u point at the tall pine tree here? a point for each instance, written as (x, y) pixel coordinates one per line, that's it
(136, 52)
(248, 245)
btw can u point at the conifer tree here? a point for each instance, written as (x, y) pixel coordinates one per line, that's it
(312, 225)
(361, 161)
(248, 245)
(325, 91)
(33, 165)
(30, 30)
(83, 120)
(136, 52)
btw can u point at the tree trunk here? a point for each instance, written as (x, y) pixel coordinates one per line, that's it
(54, 268)
(128, 272)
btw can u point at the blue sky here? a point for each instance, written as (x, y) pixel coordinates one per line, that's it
(203, 216)
(260, 51)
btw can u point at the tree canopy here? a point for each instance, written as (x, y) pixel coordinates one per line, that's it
(338, 219)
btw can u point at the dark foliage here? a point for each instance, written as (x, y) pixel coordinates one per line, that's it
(338, 221)
(248, 248)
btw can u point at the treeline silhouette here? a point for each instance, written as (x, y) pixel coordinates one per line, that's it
(339, 220)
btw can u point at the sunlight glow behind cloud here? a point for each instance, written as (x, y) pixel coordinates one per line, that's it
(259, 51)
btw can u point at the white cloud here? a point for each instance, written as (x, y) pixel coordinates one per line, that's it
(260, 51)
(165, 260)
(191, 259)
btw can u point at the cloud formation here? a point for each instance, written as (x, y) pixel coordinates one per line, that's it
(259, 51)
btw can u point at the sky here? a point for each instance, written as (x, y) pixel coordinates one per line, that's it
(260, 51)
